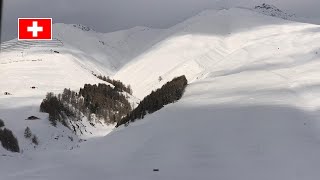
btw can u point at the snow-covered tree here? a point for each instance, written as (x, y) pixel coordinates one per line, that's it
(27, 133)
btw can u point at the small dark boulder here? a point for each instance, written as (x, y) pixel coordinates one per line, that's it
(33, 87)
(7, 93)
(32, 118)
(56, 52)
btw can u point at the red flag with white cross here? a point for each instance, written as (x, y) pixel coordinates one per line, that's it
(35, 29)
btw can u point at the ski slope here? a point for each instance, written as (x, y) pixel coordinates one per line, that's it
(251, 110)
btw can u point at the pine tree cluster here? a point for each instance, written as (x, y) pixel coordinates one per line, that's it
(105, 102)
(28, 134)
(119, 86)
(168, 93)
(56, 109)
(102, 100)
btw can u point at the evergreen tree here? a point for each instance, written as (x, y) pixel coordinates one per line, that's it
(8, 140)
(27, 133)
(35, 140)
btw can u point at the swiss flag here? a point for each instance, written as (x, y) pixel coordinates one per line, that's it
(35, 29)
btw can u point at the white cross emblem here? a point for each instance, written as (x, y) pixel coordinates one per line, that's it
(35, 29)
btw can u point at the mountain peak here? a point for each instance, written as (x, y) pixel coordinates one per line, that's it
(272, 10)
(80, 27)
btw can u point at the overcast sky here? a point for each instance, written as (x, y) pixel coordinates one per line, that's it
(112, 15)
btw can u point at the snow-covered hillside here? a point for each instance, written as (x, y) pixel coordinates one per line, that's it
(46, 73)
(218, 43)
(68, 61)
(103, 53)
(251, 110)
(110, 50)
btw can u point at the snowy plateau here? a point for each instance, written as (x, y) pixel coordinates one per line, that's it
(251, 110)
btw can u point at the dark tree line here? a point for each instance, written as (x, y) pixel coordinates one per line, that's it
(105, 102)
(100, 101)
(168, 93)
(57, 111)
(119, 86)
(8, 140)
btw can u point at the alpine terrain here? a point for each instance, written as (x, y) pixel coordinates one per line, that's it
(250, 110)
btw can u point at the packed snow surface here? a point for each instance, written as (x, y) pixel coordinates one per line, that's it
(251, 110)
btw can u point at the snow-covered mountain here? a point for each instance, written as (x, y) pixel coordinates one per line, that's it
(99, 52)
(271, 10)
(251, 110)
(111, 50)
(205, 46)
